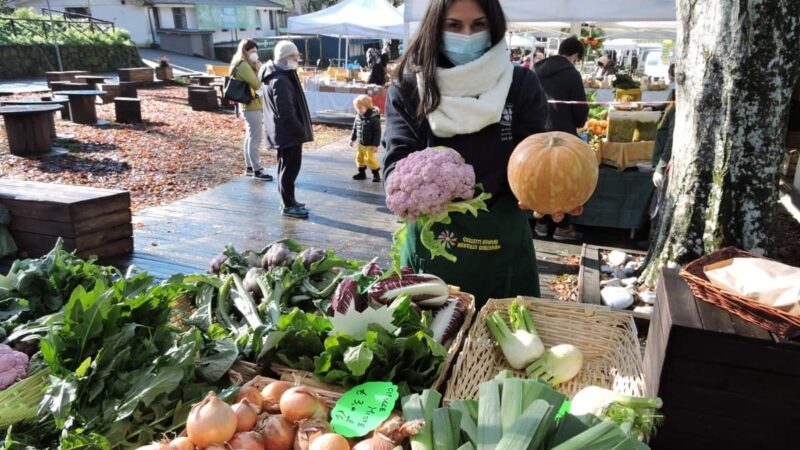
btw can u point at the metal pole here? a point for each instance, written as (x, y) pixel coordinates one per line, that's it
(55, 40)
(339, 48)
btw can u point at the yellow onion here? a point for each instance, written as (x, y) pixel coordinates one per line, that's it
(181, 443)
(308, 431)
(253, 396)
(277, 433)
(246, 416)
(155, 446)
(329, 441)
(217, 447)
(211, 421)
(271, 396)
(299, 403)
(248, 440)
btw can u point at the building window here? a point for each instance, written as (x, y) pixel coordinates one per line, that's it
(179, 18)
(258, 19)
(281, 19)
(156, 18)
(76, 13)
(271, 20)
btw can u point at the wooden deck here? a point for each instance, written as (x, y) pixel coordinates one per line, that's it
(347, 216)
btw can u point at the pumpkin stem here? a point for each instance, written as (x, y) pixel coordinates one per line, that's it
(555, 141)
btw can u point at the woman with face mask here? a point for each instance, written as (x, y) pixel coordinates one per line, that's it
(244, 67)
(456, 87)
(287, 121)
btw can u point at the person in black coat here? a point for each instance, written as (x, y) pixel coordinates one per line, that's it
(562, 81)
(287, 121)
(377, 68)
(472, 99)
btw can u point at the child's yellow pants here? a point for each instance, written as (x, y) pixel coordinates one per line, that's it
(365, 156)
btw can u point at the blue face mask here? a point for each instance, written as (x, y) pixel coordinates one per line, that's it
(462, 49)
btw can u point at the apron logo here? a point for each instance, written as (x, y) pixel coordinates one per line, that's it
(448, 239)
(506, 119)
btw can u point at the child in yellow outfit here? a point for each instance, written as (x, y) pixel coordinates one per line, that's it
(367, 137)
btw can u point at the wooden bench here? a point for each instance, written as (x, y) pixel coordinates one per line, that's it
(203, 98)
(142, 75)
(67, 86)
(725, 382)
(111, 91)
(67, 75)
(128, 89)
(91, 221)
(29, 128)
(128, 110)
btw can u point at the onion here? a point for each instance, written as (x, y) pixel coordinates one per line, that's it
(217, 447)
(211, 421)
(299, 403)
(329, 441)
(246, 416)
(181, 443)
(154, 446)
(271, 395)
(253, 396)
(277, 433)
(249, 440)
(308, 431)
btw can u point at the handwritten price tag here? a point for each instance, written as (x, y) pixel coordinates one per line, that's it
(363, 408)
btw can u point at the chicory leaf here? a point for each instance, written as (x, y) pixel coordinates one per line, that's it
(358, 359)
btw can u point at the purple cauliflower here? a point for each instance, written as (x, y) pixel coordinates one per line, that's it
(13, 366)
(425, 182)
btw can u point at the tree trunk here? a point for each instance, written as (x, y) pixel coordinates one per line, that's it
(737, 61)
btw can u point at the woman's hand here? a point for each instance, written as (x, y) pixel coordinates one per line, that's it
(558, 217)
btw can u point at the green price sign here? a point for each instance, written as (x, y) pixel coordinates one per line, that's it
(363, 408)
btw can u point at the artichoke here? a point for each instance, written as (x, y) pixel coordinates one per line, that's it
(250, 282)
(216, 264)
(312, 255)
(277, 255)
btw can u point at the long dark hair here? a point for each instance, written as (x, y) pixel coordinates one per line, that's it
(422, 54)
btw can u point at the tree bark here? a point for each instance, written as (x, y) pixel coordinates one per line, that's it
(737, 61)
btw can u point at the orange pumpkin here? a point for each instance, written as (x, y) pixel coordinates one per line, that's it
(553, 173)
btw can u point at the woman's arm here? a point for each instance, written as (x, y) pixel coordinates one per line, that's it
(248, 75)
(403, 132)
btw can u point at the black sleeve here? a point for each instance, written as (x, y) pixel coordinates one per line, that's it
(375, 131)
(404, 133)
(354, 134)
(285, 106)
(531, 113)
(580, 113)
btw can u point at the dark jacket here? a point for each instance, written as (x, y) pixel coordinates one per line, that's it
(562, 81)
(662, 150)
(487, 150)
(377, 74)
(286, 119)
(367, 128)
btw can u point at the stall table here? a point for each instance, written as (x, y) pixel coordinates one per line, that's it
(29, 128)
(607, 95)
(82, 106)
(725, 382)
(92, 80)
(329, 101)
(205, 80)
(621, 200)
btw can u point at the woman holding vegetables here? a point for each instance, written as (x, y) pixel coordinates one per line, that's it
(457, 88)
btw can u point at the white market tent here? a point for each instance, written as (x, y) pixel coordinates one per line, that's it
(352, 19)
(570, 10)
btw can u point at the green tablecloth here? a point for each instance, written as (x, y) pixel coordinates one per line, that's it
(621, 200)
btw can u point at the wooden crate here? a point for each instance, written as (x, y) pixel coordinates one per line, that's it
(143, 75)
(91, 221)
(202, 98)
(589, 282)
(724, 381)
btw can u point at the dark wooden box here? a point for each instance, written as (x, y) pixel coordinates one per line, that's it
(203, 98)
(91, 221)
(726, 383)
(143, 75)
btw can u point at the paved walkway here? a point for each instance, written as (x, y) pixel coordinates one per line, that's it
(181, 63)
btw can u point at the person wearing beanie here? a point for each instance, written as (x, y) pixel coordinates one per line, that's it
(287, 121)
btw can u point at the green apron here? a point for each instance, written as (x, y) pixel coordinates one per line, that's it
(495, 252)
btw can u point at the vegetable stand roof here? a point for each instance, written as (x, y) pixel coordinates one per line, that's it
(352, 18)
(570, 10)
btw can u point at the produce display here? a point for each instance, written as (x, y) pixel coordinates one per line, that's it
(553, 173)
(94, 358)
(426, 187)
(513, 413)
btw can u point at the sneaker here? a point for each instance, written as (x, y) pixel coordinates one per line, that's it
(568, 233)
(262, 174)
(300, 205)
(541, 229)
(248, 171)
(296, 212)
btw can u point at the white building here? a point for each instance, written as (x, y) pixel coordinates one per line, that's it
(173, 23)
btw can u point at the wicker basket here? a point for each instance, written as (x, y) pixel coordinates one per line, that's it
(303, 377)
(606, 338)
(767, 317)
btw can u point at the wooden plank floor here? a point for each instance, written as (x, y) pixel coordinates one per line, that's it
(347, 216)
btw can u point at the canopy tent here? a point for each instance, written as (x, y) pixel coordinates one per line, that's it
(517, 41)
(352, 19)
(570, 10)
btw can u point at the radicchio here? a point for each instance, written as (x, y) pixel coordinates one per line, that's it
(448, 319)
(347, 297)
(372, 270)
(424, 289)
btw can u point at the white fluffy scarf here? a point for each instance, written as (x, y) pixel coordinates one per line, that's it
(473, 94)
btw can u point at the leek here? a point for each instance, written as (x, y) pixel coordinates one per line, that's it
(489, 426)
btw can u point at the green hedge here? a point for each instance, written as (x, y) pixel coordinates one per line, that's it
(22, 61)
(15, 30)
